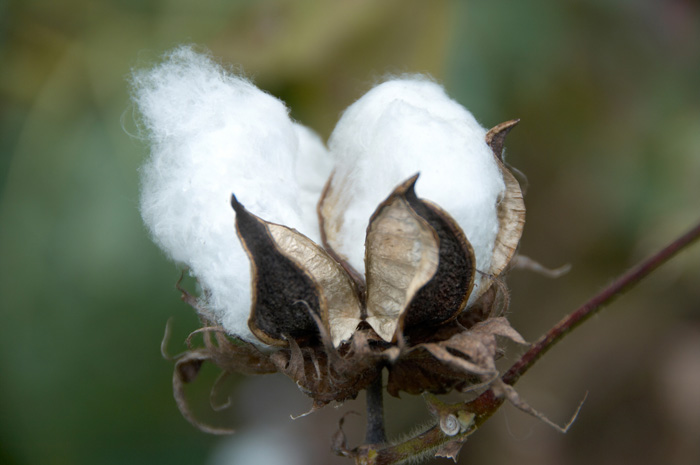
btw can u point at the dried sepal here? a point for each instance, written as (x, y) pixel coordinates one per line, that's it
(511, 208)
(451, 449)
(460, 359)
(523, 262)
(330, 210)
(419, 264)
(325, 375)
(474, 351)
(293, 280)
(418, 371)
(235, 355)
(232, 356)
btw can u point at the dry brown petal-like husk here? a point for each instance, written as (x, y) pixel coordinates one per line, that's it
(232, 356)
(324, 375)
(464, 361)
(511, 209)
(331, 210)
(293, 278)
(418, 371)
(419, 264)
(401, 256)
(474, 351)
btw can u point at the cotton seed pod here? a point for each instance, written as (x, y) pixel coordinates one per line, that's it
(293, 278)
(419, 264)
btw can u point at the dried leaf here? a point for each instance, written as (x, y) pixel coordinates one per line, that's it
(450, 450)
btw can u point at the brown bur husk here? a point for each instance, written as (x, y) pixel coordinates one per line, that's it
(420, 266)
(511, 208)
(295, 285)
(334, 333)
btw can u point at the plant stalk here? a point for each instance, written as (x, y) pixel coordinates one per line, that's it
(376, 434)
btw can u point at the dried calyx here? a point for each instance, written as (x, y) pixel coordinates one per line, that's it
(335, 333)
(420, 268)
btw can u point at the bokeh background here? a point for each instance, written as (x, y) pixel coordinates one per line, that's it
(609, 96)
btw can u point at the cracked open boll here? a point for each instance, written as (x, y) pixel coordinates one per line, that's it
(384, 250)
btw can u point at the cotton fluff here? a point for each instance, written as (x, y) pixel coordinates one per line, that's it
(212, 134)
(402, 127)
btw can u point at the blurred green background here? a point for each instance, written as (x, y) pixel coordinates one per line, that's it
(609, 96)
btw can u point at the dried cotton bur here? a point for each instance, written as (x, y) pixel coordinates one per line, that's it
(400, 269)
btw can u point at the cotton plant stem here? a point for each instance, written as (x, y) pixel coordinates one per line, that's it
(375, 412)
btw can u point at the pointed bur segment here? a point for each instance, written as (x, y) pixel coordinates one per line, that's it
(282, 293)
(496, 137)
(330, 211)
(511, 208)
(296, 285)
(446, 295)
(420, 267)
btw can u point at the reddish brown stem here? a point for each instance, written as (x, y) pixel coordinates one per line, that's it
(620, 285)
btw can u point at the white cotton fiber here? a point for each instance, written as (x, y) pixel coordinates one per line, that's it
(212, 134)
(403, 127)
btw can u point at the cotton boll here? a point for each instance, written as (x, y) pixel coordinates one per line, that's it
(213, 134)
(406, 126)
